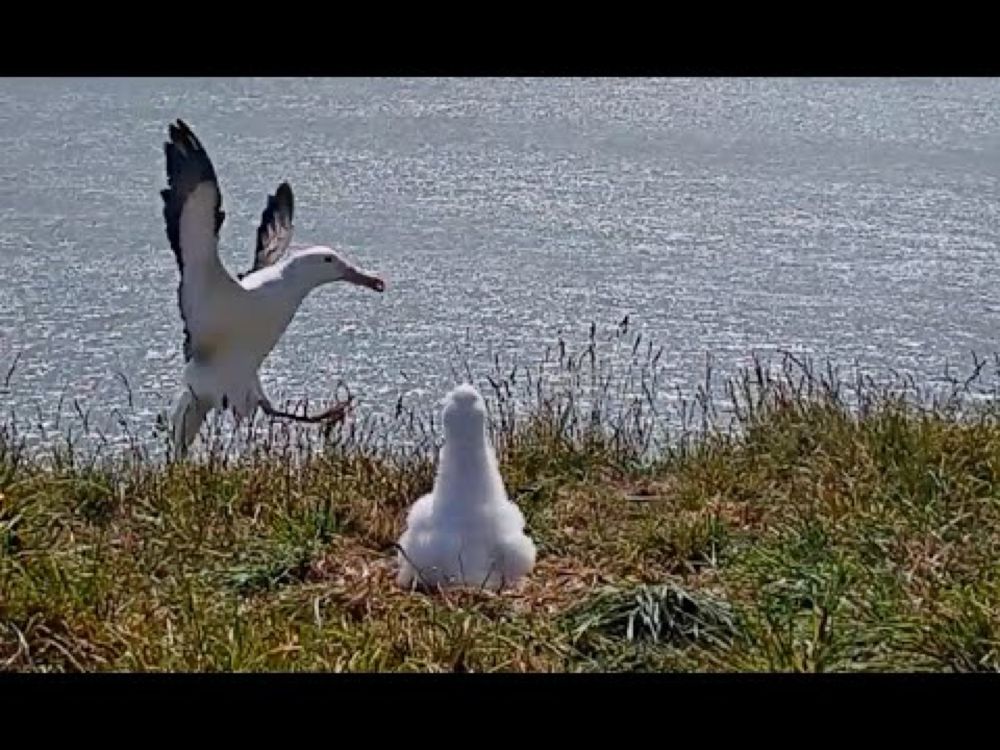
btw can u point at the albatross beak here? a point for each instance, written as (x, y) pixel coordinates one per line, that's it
(363, 279)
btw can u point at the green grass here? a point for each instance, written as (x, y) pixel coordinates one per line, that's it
(830, 526)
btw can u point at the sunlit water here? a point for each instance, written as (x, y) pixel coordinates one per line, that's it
(850, 220)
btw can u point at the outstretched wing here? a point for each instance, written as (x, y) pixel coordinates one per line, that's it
(192, 210)
(275, 231)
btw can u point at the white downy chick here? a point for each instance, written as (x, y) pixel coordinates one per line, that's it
(466, 531)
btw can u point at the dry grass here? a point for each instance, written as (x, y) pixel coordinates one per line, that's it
(824, 524)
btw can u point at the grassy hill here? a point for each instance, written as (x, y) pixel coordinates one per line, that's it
(829, 526)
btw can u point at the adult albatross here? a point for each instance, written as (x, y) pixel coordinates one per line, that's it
(231, 325)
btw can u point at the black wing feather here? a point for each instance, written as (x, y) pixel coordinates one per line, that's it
(188, 165)
(274, 233)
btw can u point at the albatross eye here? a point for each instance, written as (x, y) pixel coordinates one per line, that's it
(328, 260)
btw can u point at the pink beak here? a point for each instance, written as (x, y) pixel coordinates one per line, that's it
(363, 279)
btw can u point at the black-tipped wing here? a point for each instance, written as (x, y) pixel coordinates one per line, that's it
(192, 210)
(275, 231)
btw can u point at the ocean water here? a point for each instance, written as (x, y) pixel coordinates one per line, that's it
(850, 220)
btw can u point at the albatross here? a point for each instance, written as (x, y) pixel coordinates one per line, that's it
(466, 531)
(232, 324)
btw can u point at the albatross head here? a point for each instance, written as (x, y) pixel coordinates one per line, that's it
(464, 414)
(322, 265)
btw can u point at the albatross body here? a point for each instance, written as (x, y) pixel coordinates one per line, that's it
(232, 324)
(466, 531)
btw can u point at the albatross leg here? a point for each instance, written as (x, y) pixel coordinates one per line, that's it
(335, 413)
(188, 417)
